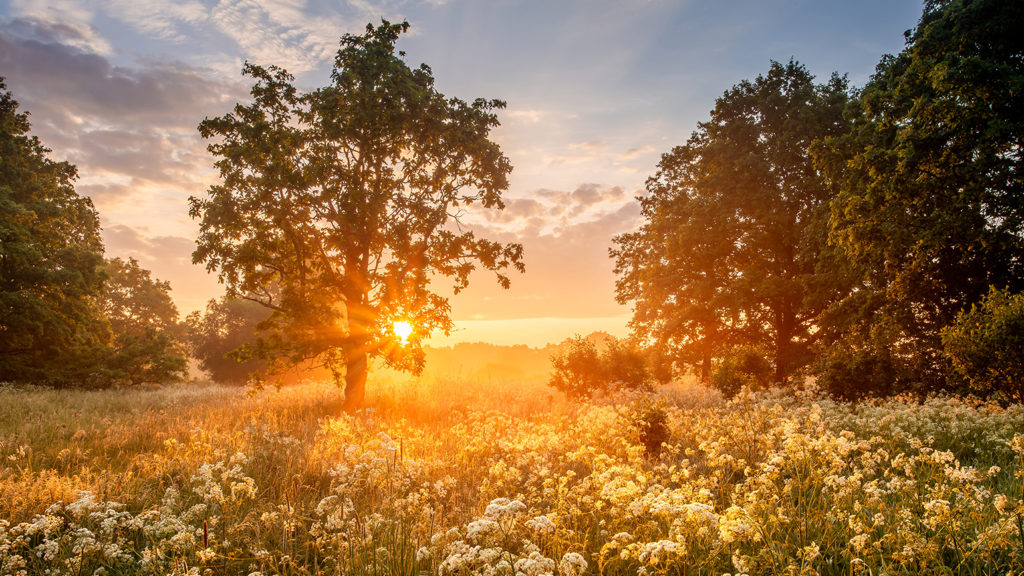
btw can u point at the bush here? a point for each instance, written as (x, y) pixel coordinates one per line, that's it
(578, 371)
(986, 345)
(216, 336)
(625, 366)
(581, 370)
(744, 366)
(651, 421)
(849, 373)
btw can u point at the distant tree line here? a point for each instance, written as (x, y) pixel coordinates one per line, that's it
(871, 238)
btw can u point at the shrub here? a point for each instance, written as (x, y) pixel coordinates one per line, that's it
(625, 366)
(216, 336)
(850, 373)
(744, 366)
(580, 370)
(651, 421)
(986, 345)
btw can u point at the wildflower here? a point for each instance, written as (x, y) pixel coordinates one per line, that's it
(481, 529)
(572, 564)
(740, 563)
(541, 525)
(503, 507)
(859, 542)
(810, 553)
(534, 565)
(206, 555)
(423, 554)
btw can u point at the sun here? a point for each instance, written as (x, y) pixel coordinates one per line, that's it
(402, 329)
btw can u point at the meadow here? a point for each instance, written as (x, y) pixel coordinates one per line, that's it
(442, 476)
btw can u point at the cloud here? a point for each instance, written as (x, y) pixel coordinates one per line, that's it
(280, 33)
(600, 154)
(128, 129)
(549, 211)
(70, 80)
(524, 116)
(633, 153)
(568, 271)
(157, 18)
(290, 33)
(68, 32)
(168, 257)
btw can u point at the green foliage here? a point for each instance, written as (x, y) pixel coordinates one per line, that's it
(855, 373)
(930, 185)
(337, 208)
(986, 345)
(650, 417)
(147, 341)
(743, 366)
(67, 317)
(50, 263)
(219, 334)
(581, 370)
(733, 250)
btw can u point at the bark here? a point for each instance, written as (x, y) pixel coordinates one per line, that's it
(355, 383)
(783, 343)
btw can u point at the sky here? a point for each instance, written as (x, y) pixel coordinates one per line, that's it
(596, 91)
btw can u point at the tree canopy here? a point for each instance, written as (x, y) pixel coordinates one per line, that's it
(51, 259)
(339, 208)
(146, 344)
(929, 181)
(219, 334)
(732, 249)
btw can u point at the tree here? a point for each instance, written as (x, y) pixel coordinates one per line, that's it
(733, 251)
(147, 342)
(51, 258)
(929, 181)
(348, 200)
(986, 345)
(219, 334)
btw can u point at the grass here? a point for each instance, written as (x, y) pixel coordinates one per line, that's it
(445, 476)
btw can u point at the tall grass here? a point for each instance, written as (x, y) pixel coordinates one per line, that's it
(445, 476)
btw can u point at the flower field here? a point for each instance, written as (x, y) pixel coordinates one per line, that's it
(456, 479)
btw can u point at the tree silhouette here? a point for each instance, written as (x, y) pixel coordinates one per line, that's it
(733, 249)
(338, 208)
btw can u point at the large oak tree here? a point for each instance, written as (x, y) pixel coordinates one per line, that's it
(733, 249)
(339, 208)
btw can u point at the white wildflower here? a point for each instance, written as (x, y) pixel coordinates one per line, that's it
(541, 525)
(572, 564)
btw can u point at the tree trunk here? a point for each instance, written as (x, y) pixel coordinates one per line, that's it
(783, 341)
(705, 369)
(355, 383)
